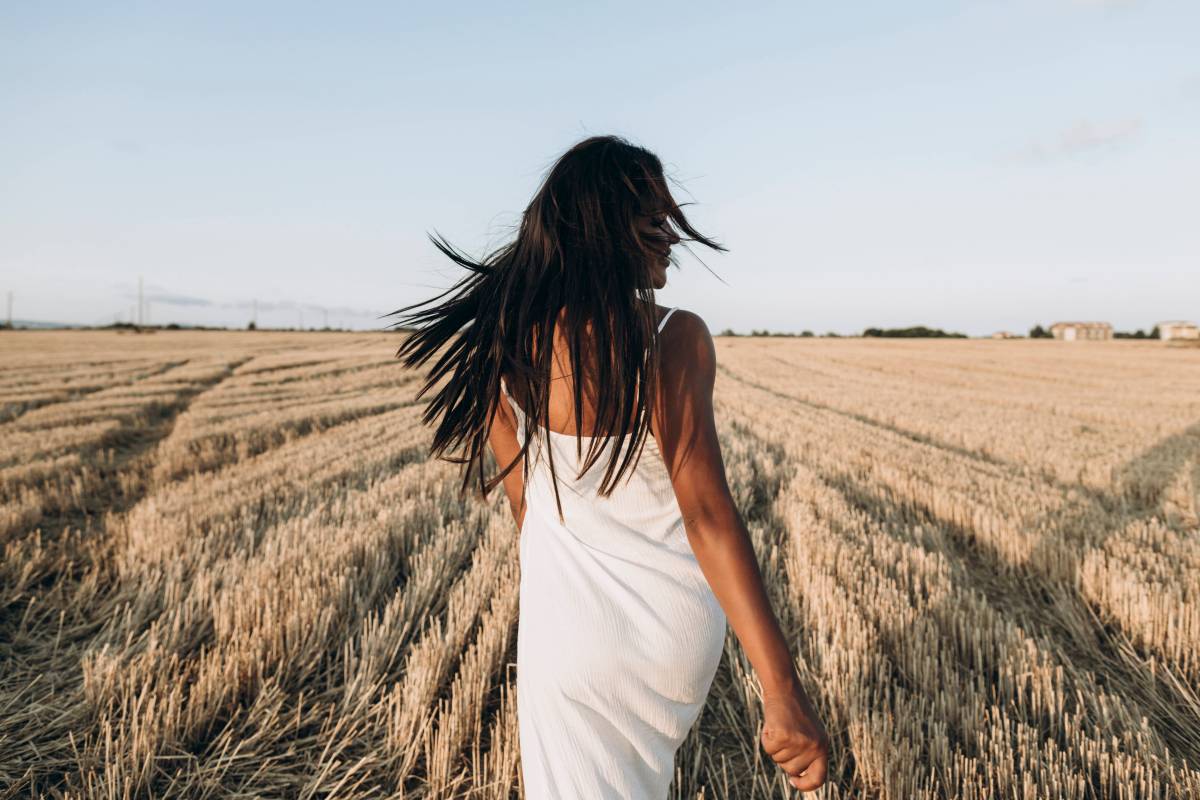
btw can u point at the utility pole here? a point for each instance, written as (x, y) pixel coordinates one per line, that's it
(139, 305)
(254, 313)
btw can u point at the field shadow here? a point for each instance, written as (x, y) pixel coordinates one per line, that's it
(1043, 598)
(1042, 595)
(44, 627)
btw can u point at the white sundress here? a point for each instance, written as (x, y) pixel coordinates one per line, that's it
(619, 634)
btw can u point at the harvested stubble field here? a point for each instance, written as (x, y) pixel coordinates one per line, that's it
(230, 570)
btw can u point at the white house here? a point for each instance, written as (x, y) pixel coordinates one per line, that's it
(1072, 331)
(1176, 329)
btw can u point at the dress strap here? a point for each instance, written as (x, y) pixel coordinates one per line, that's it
(666, 317)
(511, 403)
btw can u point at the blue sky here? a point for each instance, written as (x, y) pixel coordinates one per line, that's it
(968, 165)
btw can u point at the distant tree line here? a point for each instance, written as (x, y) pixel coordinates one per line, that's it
(175, 326)
(922, 332)
(918, 331)
(1138, 334)
(170, 326)
(915, 332)
(765, 332)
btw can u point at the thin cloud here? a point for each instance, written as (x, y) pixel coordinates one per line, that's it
(128, 147)
(291, 305)
(166, 298)
(131, 286)
(1083, 137)
(163, 298)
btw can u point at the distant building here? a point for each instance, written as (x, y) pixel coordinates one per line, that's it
(1178, 330)
(1072, 331)
(1005, 335)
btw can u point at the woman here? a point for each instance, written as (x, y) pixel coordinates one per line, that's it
(627, 578)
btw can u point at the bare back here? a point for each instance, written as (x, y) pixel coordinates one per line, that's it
(562, 388)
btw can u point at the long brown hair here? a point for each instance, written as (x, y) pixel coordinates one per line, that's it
(576, 250)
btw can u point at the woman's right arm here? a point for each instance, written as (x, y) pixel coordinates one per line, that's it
(506, 447)
(686, 431)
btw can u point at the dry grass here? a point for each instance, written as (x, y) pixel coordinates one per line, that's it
(229, 570)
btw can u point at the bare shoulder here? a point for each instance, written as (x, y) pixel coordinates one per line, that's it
(687, 345)
(688, 358)
(684, 413)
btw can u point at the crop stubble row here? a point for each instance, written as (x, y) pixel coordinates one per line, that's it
(230, 568)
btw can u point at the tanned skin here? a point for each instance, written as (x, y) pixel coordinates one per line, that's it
(686, 432)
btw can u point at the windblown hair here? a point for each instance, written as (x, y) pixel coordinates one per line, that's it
(576, 250)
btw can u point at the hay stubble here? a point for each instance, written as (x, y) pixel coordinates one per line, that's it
(230, 570)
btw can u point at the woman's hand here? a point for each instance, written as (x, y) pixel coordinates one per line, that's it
(794, 737)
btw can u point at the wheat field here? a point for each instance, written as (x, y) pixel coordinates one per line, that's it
(231, 570)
